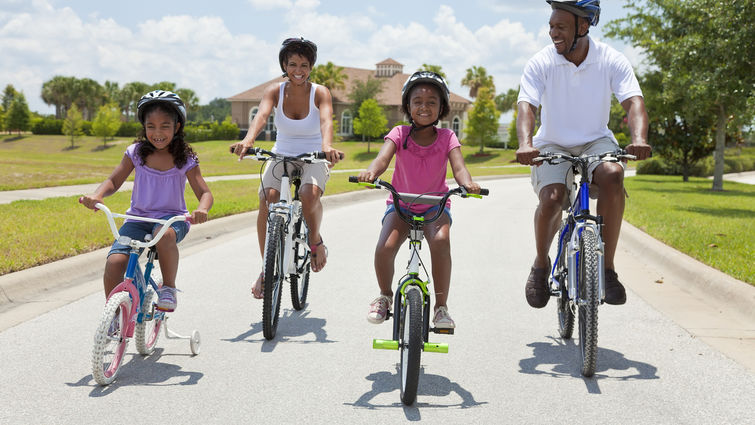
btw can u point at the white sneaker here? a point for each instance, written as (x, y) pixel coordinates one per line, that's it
(379, 309)
(442, 319)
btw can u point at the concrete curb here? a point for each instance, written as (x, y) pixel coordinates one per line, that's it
(713, 283)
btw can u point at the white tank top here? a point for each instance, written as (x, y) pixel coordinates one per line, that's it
(297, 136)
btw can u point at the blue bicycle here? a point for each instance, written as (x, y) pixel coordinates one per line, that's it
(577, 276)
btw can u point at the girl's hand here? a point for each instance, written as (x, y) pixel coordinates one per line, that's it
(199, 216)
(472, 187)
(90, 201)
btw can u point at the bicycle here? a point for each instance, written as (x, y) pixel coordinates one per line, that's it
(577, 277)
(287, 249)
(129, 310)
(411, 318)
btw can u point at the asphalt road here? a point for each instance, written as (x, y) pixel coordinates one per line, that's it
(505, 363)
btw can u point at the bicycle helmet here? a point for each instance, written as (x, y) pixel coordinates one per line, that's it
(161, 96)
(300, 46)
(589, 9)
(426, 77)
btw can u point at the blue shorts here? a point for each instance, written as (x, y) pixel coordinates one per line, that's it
(139, 229)
(392, 208)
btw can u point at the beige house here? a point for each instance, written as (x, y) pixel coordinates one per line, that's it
(244, 105)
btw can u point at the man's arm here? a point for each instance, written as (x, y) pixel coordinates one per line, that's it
(525, 127)
(637, 118)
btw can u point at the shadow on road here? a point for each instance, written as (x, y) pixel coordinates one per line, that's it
(429, 386)
(141, 371)
(564, 359)
(291, 324)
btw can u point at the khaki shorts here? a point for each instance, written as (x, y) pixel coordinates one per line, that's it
(547, 174)
(316, 174)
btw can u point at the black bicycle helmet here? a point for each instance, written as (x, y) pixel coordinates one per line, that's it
(426, 77)
(588, 9)
(162, 96)
(299, 46)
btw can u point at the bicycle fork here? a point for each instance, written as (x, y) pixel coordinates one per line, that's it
(572, 260)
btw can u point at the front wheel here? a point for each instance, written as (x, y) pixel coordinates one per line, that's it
(274, 276)
(300, 278)
(110, 338)
(410, 344)
(148, 331)
(589, 301)
(563, 306)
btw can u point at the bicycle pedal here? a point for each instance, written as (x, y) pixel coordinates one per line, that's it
(444, 331)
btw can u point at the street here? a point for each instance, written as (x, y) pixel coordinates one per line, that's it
(505, 363)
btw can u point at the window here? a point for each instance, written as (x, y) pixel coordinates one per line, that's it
(456, 126)
(346, 123)
(252, 114)
(270, 123)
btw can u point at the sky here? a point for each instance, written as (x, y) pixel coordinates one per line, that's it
(221, 48)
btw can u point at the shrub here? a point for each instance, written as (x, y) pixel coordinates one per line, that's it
(129, 129)
(47, 125)
(86, 128)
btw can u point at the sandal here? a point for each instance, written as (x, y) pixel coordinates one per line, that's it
(313, 250)
(261, 286)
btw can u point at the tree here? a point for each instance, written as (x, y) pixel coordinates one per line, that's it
(130, 95)
(190, 99)
(482, 125)
(371, 121)
(88, 95)
(477, 77)
(18, 116)
(9, 94)
(214, 111)
(72, 124)
(2, 118)
(364, 90)
(107, 122)
(505, 102)
(703, 51)
(433, 68)
(58, 91)
(329, 75)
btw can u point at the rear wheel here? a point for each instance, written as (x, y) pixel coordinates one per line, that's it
(148, 331)
(300, 279)
(110, 338)
(564, 310)
(410, 345)
(274, 276)
(589, 301)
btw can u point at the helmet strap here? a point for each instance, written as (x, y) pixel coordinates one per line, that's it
(577, 36)
(415, 128)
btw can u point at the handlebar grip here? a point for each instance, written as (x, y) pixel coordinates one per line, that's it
(249, 151)
(321, 155)
(353, 179)
(484, 192)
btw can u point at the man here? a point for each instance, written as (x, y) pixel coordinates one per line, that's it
(573, 80)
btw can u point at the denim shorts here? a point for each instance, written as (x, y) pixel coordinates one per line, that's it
(392, 208)
(139, 229)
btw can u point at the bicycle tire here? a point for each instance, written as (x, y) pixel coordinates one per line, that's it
(300, 280)
(588, 308)
(411, 345)
(274, 276)
(108, 350)
(147, 332)
(563, 306)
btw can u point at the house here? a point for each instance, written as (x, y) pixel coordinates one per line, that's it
(244, 105)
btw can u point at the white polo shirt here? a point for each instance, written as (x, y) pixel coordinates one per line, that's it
(576, 99)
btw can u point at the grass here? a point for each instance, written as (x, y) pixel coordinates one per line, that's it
(716, 228)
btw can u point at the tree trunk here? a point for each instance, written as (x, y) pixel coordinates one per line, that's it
(482, 145)
(718, 155)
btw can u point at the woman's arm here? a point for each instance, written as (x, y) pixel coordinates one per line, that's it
(324, 103)
(269, 99)
(203, 194)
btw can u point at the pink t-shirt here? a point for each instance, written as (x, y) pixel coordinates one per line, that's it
(157, 193)
(421, 169)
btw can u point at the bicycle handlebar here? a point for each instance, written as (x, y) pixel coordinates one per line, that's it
(422, 198)
(557, 158)
(263, 155)
(141, 244)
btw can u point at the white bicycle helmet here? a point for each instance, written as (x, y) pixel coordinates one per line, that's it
(162, 96)
(426, 77)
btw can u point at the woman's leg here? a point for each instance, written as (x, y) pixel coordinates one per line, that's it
(310, 195)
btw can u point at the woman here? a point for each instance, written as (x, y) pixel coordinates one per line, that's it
(304, 119)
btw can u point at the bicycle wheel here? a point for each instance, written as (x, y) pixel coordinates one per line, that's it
(300, 279)
(588, 308)
(411, 344)
(563, 307)
(274, 275)
(110, 340)
(148, 331)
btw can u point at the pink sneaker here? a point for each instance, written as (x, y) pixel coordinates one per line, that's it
(379, 309)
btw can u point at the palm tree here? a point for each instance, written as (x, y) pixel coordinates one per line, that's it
(190, 99)
(505, 102)
(433, 68)
(477, 76)
(89, 95)
(59, 92)
(130, 95)
(329, 75)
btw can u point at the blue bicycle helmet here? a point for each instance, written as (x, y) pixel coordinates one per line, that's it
(589, 9)
(161, 96)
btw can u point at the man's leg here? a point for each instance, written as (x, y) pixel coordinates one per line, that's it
(610, 179)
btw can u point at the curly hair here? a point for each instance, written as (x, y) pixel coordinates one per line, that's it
(178, 147)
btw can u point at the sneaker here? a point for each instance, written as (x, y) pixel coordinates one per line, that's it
(442, 319)
(537, 291)
(379, 309)
(166, 300)
(615, 292)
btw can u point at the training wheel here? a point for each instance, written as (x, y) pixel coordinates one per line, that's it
(195, 342)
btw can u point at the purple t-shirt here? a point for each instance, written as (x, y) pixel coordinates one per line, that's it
(157, 193)
(421, 169)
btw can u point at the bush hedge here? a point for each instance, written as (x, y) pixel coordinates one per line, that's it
(735, 161)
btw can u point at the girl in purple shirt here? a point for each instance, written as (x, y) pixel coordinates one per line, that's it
(423, 152)
(163, 162)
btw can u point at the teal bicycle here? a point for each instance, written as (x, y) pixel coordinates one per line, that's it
(411, 315)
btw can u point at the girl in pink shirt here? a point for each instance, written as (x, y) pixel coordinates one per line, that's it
(423, 152)
(163, 162)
